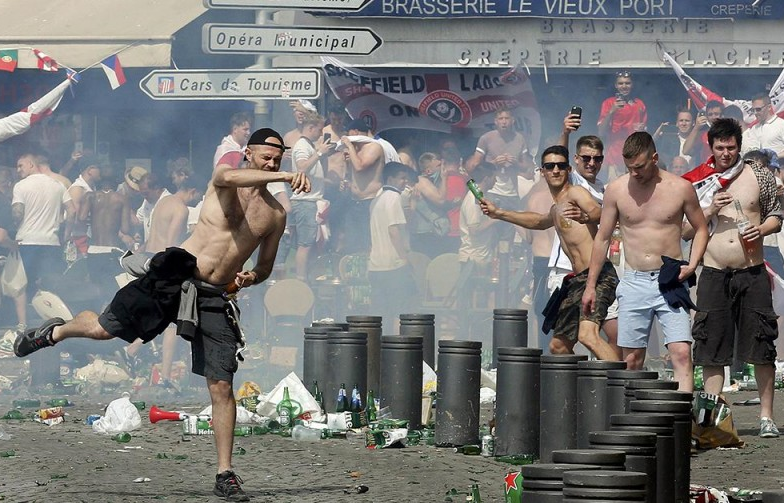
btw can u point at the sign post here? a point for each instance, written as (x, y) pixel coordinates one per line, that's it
(330, 5)
(246, 84)
(255, 39)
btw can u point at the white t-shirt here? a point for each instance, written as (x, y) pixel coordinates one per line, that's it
(43, 198)
(145, 211)
(477, 246)
(304, 149)
(768, 134)
(80, 228)
(386, 210)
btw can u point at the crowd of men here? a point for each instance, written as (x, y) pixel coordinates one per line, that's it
(674, 198)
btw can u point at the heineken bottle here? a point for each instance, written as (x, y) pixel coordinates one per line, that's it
(285, 410)
(319, 396)
(356, 399)
(474, 496)
(370, 407)
(470, 450)
(342, 404)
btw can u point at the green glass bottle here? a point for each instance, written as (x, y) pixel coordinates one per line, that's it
(13, 414)
(342, 403)
(475, 497)
(285, 409)
(122, 438)
(469, 450)
(474, 188)
(243, 431)
(29, 403)
(59, 402)
(319, 396)
(370, 407)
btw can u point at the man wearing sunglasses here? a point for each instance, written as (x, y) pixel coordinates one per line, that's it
(588, 161)
(574, 216)
(649, 203)
(768, 132)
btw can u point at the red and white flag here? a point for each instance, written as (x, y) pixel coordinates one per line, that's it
(18, 123)
(436, 99)
(45, 62)
(701, 95)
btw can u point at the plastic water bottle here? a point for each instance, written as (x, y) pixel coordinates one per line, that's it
(302, 433)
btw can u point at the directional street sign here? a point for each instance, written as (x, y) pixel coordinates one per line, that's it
(255, 39)
(333, 5)
(232, 84)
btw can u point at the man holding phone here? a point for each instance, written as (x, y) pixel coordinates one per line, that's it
(620, 116)
(306, 158)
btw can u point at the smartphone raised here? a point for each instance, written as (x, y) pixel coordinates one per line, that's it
(578, 111)
(327, 137)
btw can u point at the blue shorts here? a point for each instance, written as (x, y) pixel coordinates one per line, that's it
(639, 299)
(303, 214)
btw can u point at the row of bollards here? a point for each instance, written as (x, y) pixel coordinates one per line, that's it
(564, 410)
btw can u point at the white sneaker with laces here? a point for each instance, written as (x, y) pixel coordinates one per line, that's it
(768, 428)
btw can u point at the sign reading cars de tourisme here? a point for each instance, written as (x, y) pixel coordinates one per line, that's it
(334, 5)
(232, 84)
(254, 39)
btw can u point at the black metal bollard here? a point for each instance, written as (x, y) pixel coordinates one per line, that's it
(640, 449)
(592, 398)
(347, 364)
(401, 377)
(517, 401)
(423, 325)
(608, 460)
(543, 483)
(773, 497)
(662, 426)
(343, 327)
(597, 486)
(510, 330)
(558, 404)
(616, 387)
(371, 325)
(315, 356)
(457, 399)
(681, 412)
(635, 384)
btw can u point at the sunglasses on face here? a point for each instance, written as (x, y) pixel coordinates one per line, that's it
(598, 159)
(758, 109)
(549, 166)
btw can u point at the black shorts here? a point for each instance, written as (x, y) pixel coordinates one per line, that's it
(214, 349)
(734, 302)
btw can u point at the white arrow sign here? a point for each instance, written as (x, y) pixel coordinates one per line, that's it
(254, 39)
(341, 5)
(232, 84)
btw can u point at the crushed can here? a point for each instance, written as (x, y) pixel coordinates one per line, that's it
(51, 413)
(488, 446)
(513, 487)
(197, 425)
